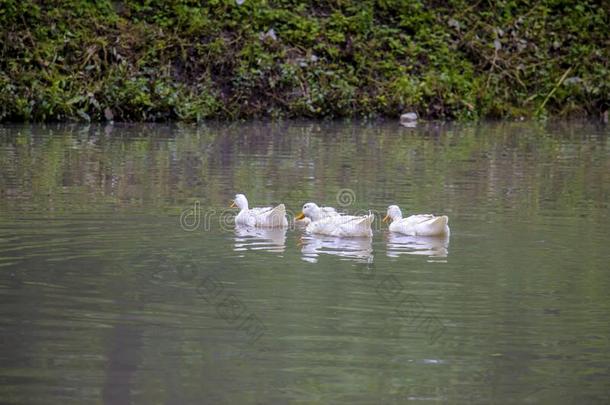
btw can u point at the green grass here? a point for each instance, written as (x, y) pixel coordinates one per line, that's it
(153, 60)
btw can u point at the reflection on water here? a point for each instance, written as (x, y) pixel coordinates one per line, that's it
(106, 298)
(358, 249)
(431, 246)
(266, 239)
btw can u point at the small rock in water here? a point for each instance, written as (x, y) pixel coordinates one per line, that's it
(108, 114)
(408, 119)
(410, 116)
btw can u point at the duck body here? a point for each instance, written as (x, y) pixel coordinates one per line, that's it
(343, 226)
(417, 225)
(265, 217)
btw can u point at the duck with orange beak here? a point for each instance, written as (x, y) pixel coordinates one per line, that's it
(314, 213)
(267, 217)
(335, 224)
(416, 225)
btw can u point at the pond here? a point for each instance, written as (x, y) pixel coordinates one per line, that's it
(123, 278)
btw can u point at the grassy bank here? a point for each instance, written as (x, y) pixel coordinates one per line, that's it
(155, 60)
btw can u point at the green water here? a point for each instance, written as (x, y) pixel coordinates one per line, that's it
(108, 297)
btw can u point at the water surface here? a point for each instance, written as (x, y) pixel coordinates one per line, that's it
(123, 279)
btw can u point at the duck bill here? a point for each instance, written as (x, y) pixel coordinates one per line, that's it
(300, 216)
(233, 205)
(386, 218)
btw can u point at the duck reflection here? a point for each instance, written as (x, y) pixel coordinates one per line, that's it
(266, 239)
(431, 246)
(358, 249)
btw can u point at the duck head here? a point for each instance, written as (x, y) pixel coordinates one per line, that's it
(392, 214)
(311, 211)
(240, 202)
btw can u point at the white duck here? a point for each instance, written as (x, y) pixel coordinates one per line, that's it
(267, 217)
(416, 225)
(317, 213)
(336, 225)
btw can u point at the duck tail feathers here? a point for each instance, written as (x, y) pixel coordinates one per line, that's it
(278, 215)
(367, 219)
(438, 226)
